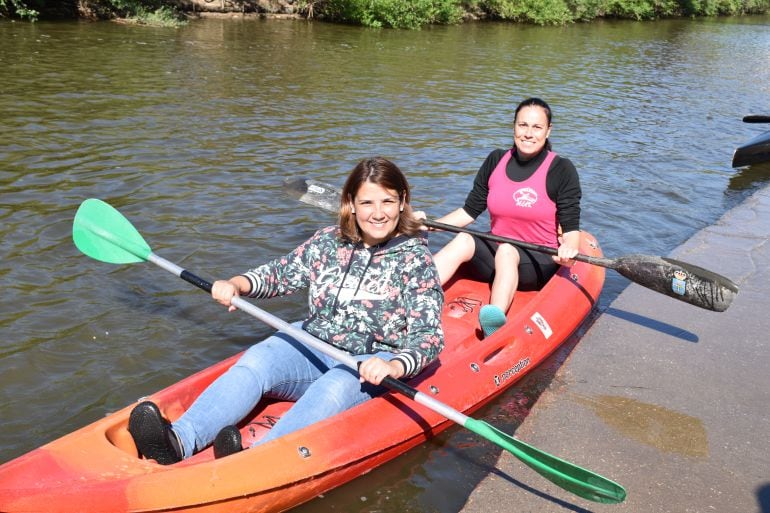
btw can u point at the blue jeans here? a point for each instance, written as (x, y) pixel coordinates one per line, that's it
(279, 368)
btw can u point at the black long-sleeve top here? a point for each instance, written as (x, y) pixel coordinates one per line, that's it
(562, 185)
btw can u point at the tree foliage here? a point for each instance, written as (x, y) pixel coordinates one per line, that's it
(390, 13)
(18, 8)
(557, 12)
(413, 14)
(153, 12)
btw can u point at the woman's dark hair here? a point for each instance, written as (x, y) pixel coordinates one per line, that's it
(535, 102)
(386, 174)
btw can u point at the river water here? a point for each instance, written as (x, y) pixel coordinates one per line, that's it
(190, 133)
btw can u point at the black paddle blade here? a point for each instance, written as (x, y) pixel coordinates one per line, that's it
(312, 192)
(679, 280)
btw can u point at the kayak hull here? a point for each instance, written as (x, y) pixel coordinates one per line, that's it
(97, 468)
(753, 152)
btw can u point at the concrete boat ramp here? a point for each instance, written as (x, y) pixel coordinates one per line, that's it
(669, 400)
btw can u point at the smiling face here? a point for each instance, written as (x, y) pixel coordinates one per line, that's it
(377, 211)
(530, 131)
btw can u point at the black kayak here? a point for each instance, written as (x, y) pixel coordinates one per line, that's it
(756, 150)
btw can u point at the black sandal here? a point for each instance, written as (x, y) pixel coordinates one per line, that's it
(227, 442)
(153, 435)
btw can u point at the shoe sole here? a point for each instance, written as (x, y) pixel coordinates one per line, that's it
(148, 429)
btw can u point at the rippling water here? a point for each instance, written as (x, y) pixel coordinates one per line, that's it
(190, 133)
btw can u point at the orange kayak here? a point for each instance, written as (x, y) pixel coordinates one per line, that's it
(97, 468)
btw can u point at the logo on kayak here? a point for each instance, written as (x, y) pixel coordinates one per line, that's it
(460, 306)
(508, 374)
(542, 324)
(679, 283)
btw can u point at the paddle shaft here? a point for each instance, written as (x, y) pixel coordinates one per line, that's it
(306, 338)
(327, 197)
(602, 262)
(679, 280)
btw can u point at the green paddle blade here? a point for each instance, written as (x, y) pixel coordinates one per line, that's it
(102, 233)
(572, 478)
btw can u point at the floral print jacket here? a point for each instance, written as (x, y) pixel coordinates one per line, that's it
(363, 300)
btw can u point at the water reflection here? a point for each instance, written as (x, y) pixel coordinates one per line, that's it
(748, 179)
(666, 430)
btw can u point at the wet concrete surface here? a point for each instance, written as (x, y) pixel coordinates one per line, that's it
(669, 400)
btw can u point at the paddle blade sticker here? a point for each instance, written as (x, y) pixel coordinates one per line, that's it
(679, 283)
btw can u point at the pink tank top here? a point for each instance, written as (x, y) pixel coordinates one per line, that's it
(522, 210)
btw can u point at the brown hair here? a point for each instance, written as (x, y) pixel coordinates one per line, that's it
(380, 171)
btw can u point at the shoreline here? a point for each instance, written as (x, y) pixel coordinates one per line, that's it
(661, 396)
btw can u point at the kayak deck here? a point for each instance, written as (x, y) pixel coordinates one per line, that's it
(98, 466)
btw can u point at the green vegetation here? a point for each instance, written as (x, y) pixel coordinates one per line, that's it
(391, 13)
(149, 12)
(19, 8)
(165, 16)
(559, 12)
(410, 14)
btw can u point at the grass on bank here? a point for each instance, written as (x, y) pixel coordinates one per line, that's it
(411, 14)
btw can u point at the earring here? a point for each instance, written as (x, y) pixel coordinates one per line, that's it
(353, 211)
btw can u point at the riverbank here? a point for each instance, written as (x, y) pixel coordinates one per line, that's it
(393, 13)
(668, 400)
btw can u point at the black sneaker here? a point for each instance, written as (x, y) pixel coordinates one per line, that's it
(152, 434)
(227, 442)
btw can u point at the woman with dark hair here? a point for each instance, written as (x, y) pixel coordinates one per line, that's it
(373, 291)
(532, 195)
